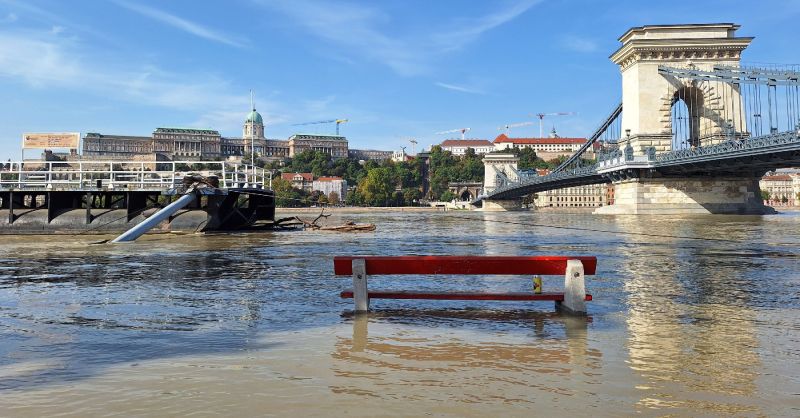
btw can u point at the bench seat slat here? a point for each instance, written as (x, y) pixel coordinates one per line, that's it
(435, 295)
(473, 265)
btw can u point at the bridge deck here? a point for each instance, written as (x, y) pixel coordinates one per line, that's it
(754, 155)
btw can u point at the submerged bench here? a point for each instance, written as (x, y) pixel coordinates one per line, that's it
(573, 268)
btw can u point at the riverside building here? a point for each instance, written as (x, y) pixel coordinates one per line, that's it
(781, 188)
(328, 185)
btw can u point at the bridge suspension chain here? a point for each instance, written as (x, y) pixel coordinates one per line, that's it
(608, 132)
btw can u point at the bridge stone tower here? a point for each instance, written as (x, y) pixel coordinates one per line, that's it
(499, 170)
(648, 97)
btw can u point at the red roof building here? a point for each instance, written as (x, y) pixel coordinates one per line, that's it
(782, 189)
(297, 176)
(302, 181)
(503, 139)
(546, 148)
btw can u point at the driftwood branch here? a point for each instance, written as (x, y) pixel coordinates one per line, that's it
(349, 227)
(287, 223)
(313, 225)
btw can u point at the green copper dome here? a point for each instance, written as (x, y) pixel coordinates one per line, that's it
(255, 117)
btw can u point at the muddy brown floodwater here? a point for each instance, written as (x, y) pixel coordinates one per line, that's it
(252, 325)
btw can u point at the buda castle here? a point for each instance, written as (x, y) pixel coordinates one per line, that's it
(191, 144)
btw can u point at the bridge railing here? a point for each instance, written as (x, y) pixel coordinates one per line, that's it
(740, 145)
(552, 177)
(141, 175)
(620, 159)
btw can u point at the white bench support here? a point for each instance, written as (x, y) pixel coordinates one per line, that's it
(574, 289)
(360, 295)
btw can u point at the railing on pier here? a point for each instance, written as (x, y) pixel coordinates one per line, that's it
(131, 175)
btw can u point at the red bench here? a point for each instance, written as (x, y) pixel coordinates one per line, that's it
(573, 268)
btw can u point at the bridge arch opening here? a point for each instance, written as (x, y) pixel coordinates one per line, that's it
(466, 196)
(686, 117)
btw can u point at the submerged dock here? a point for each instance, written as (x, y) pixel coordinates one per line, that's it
(54, 197)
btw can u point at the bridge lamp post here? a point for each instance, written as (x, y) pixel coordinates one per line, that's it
(729, 131)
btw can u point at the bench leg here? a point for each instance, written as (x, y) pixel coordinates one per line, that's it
(360, 295)
(574, 290)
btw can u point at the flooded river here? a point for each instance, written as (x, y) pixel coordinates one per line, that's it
(252, 324)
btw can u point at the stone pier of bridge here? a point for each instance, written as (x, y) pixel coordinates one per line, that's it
(500, 170)
(648, 98)
(687, 195)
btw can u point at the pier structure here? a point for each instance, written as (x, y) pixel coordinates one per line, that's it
(42, 197)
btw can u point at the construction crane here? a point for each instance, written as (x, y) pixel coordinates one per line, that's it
(514, 125)
(336, 121)
(541, 119)
(462, 130)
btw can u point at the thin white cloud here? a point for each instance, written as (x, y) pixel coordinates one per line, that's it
(50, 63)
(30, 11)
(358, 31)
(579, 44)
(182, 24)
(471, 29)
(459, 88)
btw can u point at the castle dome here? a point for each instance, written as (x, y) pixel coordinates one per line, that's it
(254, 117)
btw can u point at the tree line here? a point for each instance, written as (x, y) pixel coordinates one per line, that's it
(388, 183)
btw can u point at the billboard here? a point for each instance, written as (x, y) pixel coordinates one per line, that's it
(51, 140)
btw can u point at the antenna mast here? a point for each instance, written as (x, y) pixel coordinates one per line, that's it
(252, 132)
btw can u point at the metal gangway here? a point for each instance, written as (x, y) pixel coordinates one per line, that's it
(126, 175)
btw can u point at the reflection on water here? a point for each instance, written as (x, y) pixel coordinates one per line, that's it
(692, 338)
(251, 323)
(550, 357)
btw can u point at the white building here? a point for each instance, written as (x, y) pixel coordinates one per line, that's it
(327, 185)
(459, 146)
(399, 156)
(546, 148)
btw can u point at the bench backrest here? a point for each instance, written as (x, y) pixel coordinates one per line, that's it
(438, 264)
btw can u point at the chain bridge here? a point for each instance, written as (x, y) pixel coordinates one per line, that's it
(694, 133)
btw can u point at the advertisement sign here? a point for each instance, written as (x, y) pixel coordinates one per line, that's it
(51, 140)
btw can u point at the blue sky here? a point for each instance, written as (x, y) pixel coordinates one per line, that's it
(396, 69)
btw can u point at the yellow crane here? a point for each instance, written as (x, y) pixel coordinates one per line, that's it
(336, 121)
